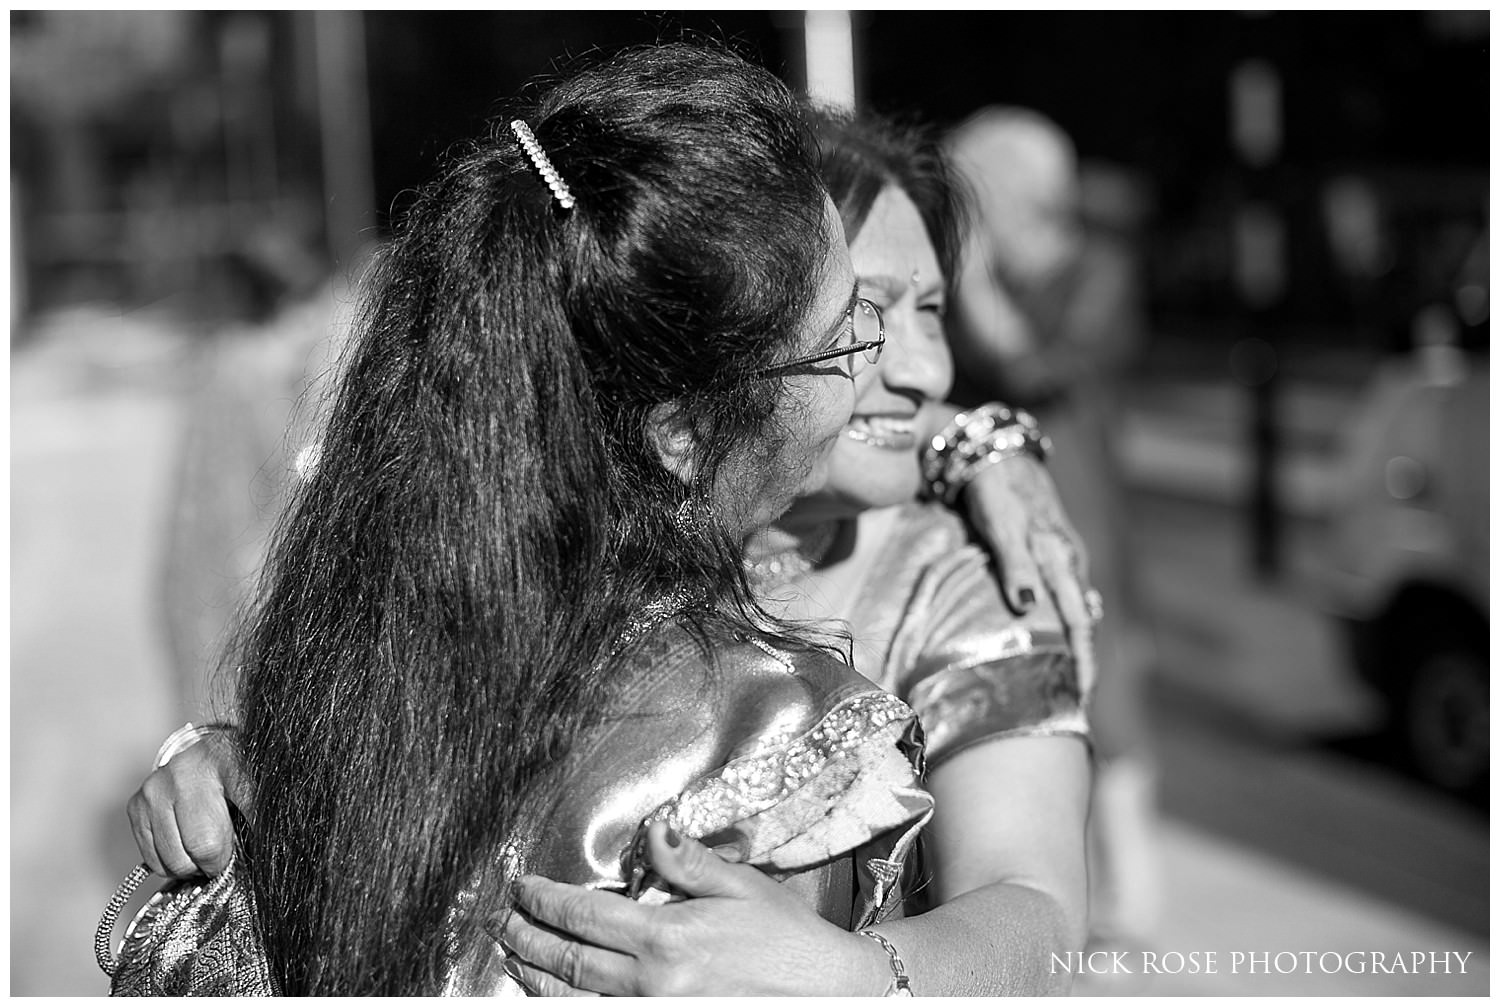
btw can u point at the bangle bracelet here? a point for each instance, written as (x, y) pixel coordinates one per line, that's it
(179, 741)
(900, 983)
(975, 440)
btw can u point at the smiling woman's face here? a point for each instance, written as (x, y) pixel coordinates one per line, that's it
(816, 401)
(876, 462)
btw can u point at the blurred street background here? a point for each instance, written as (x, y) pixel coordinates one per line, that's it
(1303, 433)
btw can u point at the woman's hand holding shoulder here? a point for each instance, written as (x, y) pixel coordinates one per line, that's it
(738, 933)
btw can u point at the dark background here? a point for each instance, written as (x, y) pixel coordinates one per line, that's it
(1398, 100)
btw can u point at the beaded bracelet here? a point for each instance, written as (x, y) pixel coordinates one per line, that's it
(900, 982)
(976, 439)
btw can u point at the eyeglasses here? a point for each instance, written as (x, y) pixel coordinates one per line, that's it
(861, 340)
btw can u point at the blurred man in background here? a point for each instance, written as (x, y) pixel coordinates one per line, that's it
(1048, 315)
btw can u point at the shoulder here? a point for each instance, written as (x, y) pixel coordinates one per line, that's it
(971, 667)
(778, 756)
(714, 732)
(930, 587)
(936, 588)
(930, 526)
(920, 547)
(723, 690)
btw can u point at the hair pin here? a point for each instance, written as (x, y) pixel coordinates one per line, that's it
(543, 163)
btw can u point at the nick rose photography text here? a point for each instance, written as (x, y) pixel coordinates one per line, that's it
(1262, 962)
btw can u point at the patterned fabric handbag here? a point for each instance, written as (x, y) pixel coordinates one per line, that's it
(193, 938)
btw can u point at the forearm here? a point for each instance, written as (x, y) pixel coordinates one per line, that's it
(1007, 862)
(998, 940)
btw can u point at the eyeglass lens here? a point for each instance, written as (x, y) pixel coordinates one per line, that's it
(867, 329)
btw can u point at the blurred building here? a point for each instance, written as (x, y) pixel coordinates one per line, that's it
(205, 154)
(152, 150)
(193, 129)
(1382, 172)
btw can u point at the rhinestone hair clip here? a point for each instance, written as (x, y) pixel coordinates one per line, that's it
(560, 190)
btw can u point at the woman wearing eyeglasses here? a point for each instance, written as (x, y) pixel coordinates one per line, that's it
(505, 625)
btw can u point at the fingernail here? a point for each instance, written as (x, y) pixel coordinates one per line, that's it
(1026, 596)
(512, 969)
(496, 929)
(673, 839)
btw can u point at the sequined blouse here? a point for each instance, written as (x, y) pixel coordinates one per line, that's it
(933, 628)
(790, 761)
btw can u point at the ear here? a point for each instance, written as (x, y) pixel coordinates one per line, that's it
(672, 437)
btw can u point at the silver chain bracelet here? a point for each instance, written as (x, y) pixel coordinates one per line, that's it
(900, 982)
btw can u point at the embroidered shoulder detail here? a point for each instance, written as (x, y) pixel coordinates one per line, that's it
(819, 794)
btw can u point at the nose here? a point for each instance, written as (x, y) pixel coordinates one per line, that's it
(916, 362)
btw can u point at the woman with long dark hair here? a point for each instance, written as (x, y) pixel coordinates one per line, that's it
(505, 622)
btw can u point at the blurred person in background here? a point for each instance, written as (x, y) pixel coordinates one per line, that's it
(1048, 314)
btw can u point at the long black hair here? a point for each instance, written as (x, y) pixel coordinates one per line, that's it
(488, 510)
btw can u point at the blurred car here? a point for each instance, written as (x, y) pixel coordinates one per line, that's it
(1409, 559)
